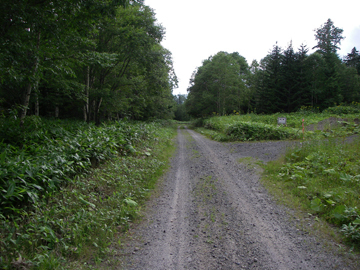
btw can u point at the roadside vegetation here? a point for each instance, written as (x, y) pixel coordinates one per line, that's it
(69, 188)
(336, 121)
(71, 181)
(321, 175)
(321, 178)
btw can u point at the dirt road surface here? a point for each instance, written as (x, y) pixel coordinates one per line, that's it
(212, 213)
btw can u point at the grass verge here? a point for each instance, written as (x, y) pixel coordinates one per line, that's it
(321, 178)
(74, 228)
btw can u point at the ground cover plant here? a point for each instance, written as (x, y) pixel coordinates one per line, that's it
(324, 177)
(38, 157)
(322, 174)
(336, 121)
(61, 205)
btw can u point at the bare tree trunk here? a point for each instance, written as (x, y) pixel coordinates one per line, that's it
(30, 85)
(97, 119)
(56, 111)
(37, 107)
(27, 95)
(85, 113)
(86, 106)
(98, 109)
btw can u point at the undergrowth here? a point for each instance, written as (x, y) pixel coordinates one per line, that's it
(61, 203)
(299, 125)
(324, 176)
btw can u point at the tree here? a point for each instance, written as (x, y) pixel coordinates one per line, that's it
(350, 82)
(219, 86)
(44, 44)
(328, 37)
(350, 76)
(289, 83)
(353, 59)
(138, 83)
(315, 71)
(254, 83)
(302, 78)
(180, 112)
(44, 38)
(270, 95)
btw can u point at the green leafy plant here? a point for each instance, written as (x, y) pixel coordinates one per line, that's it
(343, 110)
(246, 131)
(57, 207)
(303, 124)
(324, 176)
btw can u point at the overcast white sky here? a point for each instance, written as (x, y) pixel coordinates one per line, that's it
(197, 29)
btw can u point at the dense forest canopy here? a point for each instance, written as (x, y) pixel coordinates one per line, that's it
(283, 81)
(103, 59)
(96, 59)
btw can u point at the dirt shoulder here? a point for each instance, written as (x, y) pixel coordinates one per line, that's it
(211, 212)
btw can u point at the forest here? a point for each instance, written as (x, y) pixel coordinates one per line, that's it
(78, 82)
(103, 60)
(85, 87)
(285, 80)
(90, 60)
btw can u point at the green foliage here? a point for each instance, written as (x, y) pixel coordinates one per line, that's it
(214, 135)
(353, 59)
(139, 80)
(78, 221)
(104, 55)
(219, 86)
(35, 162)
(287, 80)
(325, 176)
(328, 37)
(338, 110)
(180, 111)
(307, 110)
(246, 131)
(330, 123)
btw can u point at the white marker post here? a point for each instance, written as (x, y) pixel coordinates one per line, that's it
(281, 121)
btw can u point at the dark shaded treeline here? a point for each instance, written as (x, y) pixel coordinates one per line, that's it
(96, 59)
(283, 81)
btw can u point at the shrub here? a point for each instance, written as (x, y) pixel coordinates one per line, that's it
(246, 131)
(338, 110)
(78, 221)
(39, 157)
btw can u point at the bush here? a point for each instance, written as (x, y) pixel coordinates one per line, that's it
(39, 157)
(246, 131)
(199, 122)
(338, 110)
(75, 223)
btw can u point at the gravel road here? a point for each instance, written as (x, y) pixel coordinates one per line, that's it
(211, 212)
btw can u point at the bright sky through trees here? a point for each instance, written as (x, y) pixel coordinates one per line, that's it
(196, 29)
